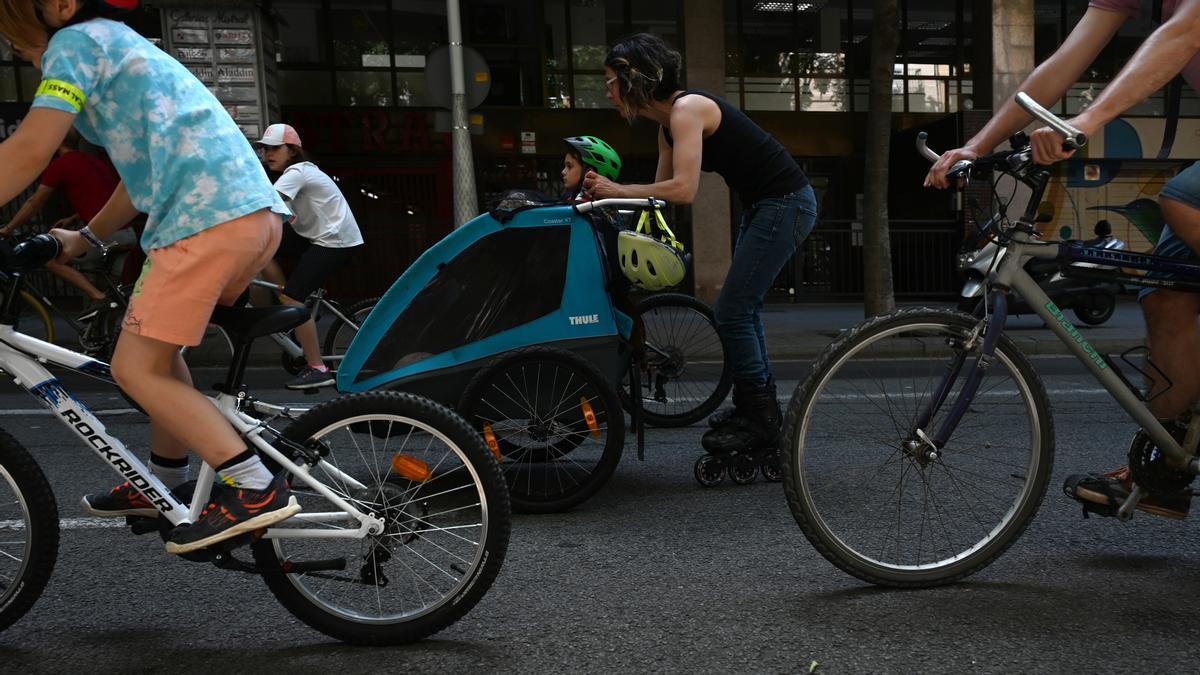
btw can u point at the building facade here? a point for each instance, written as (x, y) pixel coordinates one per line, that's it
(350, 75)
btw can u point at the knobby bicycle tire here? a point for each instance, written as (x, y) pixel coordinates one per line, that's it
(829, 422)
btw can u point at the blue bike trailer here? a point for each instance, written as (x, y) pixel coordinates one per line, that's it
(533, 275)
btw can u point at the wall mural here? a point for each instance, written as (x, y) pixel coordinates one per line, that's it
(1118, 178)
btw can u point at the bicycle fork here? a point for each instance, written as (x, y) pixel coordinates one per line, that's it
(920, 445)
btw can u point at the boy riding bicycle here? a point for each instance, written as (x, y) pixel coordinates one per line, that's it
(1171, 316)
(212, 224)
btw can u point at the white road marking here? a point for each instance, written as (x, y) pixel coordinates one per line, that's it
(70, 523)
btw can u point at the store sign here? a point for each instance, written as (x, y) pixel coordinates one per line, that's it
(218, 47)
(365, 131)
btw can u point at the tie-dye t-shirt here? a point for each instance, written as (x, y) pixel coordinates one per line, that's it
(183, 160)
(1191, 72)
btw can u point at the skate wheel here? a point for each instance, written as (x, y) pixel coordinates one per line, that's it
(743, 471)
(710, 471)
(771, 470)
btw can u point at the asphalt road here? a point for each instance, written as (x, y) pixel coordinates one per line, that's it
(653, 574)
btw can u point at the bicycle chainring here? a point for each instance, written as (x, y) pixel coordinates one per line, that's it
(1148, 465)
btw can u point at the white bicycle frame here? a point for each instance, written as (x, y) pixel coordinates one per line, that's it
(22, 356)
(287, 344)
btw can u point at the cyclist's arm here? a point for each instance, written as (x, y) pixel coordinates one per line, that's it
(30, 148)
(117, 212)
(664, 171)
(687, 130)
(1046, 84)
(1160, 58)
(29, 209)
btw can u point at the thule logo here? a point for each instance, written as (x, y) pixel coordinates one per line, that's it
(584, 320)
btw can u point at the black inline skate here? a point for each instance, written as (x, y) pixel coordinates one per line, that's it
(744, 440)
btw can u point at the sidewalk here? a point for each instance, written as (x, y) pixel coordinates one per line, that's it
(802, 330)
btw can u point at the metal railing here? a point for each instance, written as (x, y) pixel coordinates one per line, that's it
(829, 263)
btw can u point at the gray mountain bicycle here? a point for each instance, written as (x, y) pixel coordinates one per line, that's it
(920, 446)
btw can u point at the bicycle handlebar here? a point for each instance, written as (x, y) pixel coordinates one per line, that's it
(650, 202)
(1074, 139)
(923, 148)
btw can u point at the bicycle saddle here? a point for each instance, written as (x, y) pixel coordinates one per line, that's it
(247, 323)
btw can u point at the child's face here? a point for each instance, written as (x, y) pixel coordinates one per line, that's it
(572, 171)
(277, 156)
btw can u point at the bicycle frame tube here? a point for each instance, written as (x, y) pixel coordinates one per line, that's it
(251, 429)
(19, 357)
(1011, 274)
(34, 378)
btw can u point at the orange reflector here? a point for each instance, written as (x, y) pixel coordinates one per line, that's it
(490, 437)
(589, 416)
(411, 468)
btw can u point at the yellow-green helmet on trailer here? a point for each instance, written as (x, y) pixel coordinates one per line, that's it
(652, 263)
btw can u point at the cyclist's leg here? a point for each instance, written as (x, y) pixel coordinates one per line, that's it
(1173, 335)
(315, 267)
(171, 308)
(1171, 316)
(76, 279)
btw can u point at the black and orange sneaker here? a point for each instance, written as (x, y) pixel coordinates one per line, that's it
(122, 500)
(233, 511)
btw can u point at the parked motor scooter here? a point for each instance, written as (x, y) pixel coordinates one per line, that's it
(1092, 297)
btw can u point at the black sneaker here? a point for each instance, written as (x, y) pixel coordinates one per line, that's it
(122, 500)
(311, 378)
(1108, 491)
(93, 309)
(233, 511)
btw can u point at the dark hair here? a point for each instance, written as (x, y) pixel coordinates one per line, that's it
(647, 70)
(1103, 228)
(296, 154)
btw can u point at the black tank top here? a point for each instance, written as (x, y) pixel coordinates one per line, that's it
(751, 161)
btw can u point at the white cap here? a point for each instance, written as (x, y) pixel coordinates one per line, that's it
(280, 134)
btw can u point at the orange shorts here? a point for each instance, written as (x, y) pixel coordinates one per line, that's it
(180, 283)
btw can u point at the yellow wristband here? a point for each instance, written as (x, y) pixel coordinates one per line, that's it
(63, 90)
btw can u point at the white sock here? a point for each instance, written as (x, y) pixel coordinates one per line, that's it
(249, 473)
(171, 476)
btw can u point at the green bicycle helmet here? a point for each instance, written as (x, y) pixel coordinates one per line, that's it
(597, 154)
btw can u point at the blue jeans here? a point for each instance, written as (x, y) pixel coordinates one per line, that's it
(770, 233)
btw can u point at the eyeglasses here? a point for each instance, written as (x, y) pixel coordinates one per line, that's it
(609, 81)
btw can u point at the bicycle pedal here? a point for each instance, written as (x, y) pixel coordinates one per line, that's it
(140, 525)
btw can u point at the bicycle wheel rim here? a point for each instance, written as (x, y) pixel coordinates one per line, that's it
(1016, 487)
(550, 423)
(684, 375)
(16, 544)
(463, 525)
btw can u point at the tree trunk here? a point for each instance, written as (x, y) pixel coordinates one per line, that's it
(877, 255)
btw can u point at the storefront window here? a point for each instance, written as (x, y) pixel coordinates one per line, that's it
(411, 89)
(364, 88)
(418, 26)
(302, 32)
(360, 35)
(305, 87)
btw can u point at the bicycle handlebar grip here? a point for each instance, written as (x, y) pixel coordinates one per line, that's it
(924, 149)
(1073, 138)
(36, 251)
